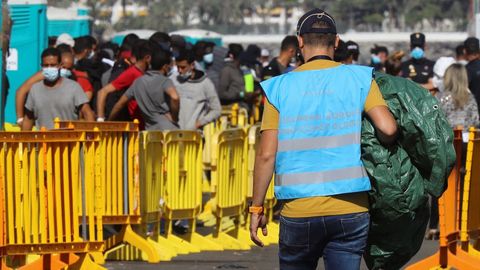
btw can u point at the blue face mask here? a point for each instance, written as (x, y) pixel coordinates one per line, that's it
(65, 73)
(417, 53)
(208, 58)
(50, 74)
(375, 59)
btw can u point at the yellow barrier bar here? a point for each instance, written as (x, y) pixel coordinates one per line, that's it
(119, 145)
(227, 186)
(41, 189)
(183, 189)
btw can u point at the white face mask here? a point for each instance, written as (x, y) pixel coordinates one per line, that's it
(463, 62)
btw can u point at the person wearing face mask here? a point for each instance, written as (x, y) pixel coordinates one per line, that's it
(279, 64)
(142, 52)
(155, 94)
(199, 103)
(66, 72)
(54, 96)
(379, 57)
(418, 68)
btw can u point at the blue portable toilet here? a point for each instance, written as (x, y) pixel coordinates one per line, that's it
(61, 20)
(28, 40)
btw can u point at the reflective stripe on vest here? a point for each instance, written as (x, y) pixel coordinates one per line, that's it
(319, 131)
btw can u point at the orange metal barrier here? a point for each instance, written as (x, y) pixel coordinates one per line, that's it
(51, 204)
(449, 220)
(470, 225)
(119, 171)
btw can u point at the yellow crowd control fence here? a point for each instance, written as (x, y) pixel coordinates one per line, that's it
(183, 189)
(252, 144)
(51, 207)
(228, 192)
(119, 173)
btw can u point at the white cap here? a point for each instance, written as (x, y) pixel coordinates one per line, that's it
(442, 64)
(265, 53)
(65, 39)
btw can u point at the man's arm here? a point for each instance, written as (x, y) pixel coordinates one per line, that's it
(102, 99)
(224, 91)
(385, 124)
(87, 112)
(174, 102)
(262, 175)
(28, 120)
(121, 103)
(22, 92)
(215, 109)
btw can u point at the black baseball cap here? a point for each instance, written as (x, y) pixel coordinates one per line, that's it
(315, 15)
(417, 40)
(472, 45)
(352, 47)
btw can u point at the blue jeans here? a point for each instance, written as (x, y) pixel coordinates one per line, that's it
(340, 240)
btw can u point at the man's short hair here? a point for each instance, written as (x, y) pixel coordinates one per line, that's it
(160, 58)
(341, 52)
(141, 49)
(130, 40)
(460, 50)
(235, 50)
(472, 45)
(162, 39)
(52, 52)
(185, 55)
(289, 42)
(319, 39)
(64, 48)
(82, 44)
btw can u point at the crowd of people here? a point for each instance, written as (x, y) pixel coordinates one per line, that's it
(167, 83)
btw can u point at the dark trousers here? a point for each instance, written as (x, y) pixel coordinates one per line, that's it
(340, 240)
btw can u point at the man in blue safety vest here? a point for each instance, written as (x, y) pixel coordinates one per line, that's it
(311, 136)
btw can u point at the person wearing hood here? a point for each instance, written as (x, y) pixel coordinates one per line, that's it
(418, 68)
(199, 103)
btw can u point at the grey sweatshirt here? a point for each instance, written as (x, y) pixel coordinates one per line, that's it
(198, 101)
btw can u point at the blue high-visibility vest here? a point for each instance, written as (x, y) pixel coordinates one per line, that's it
(319, 131)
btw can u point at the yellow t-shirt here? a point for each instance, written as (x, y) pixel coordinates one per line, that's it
(332, 205)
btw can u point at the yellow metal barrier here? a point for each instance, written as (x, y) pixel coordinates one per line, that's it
(253, 142)
(119, 171)
(182, 199)
(52, 204)
(470, 218)
(228, 192)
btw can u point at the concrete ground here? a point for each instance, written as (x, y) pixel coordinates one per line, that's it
(257, 258)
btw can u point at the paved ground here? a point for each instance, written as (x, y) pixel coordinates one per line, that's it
(257, 258)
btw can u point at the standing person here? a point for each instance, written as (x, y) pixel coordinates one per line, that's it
(279, 64)
(54, 96)
(311, 136)
(264, 57)
(460, 55)
(379, 57)
(155, 94)
(199, 103)
(472, 51)
(353, 51)
(143, 54)
(457, 101)
(418, 68)
(231, 87)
